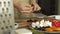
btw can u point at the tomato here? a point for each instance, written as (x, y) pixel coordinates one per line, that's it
(56, 23)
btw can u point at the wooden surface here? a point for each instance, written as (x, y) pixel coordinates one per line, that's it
(39, 19)
(23, 21)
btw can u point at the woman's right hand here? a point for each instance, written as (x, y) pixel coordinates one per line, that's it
(25, 8)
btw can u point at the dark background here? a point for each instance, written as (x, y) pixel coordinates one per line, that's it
(49, 7)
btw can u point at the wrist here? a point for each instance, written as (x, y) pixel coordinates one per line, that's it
(33, 1)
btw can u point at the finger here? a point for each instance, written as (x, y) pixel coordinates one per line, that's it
(27, 5)
(27, 9)
(25, 12)
(34, 8)
(38, 8)
(31, 9)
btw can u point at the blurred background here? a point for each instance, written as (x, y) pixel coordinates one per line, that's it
(50, 7)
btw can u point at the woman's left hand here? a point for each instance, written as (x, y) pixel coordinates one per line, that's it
(36, 7)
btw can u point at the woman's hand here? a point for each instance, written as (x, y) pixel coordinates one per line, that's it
(25, 8)
(36, 7)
